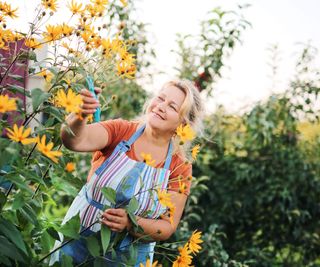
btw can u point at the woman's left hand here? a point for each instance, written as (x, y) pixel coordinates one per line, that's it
(116, 219)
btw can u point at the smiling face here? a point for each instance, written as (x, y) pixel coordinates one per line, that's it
(163, 111)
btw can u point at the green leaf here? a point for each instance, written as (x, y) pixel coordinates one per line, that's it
(71, 228)
(109, 194)
(38, 97)
(93, 246)
(18, 89)
(10, 151)
(18, 201)
(30, 55)
(66, 261)
(18, 180)
(28, 213)
(53, 233)
(5, 261)
(133, 218)
(133, 205)
(99, 262)
(9, 250)
(3, 200)
(113, 254)
(11, 232)
(105, 237)
(46, 242)
(133, 251)
(16, 77)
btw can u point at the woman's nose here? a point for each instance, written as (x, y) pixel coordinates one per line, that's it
(161, 107)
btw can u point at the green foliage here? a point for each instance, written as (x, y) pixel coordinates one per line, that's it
(105, 237)
(204, 60)
(263, 187)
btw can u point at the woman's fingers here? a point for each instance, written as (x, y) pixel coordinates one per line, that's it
(90, 103)
(117, 212)
(116, 227)
(97, 90)
(115, 219)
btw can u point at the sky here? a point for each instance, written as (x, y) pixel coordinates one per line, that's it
(247, 76)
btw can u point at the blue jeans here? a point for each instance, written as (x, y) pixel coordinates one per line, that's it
(79, 252)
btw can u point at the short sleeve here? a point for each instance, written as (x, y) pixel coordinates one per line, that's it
(116, 129)
(181, 176)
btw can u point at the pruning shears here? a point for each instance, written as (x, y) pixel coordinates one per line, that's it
(90, 84)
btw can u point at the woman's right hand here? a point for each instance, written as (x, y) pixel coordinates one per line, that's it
(85, 137)
(90, 103)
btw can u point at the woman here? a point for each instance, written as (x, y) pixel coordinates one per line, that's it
(119, 163)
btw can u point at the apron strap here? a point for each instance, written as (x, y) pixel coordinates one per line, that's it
(169, 156)
(127, 145)
(124, 146)
(136, 135)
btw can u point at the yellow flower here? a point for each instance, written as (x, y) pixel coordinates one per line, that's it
(2, 19)
(195, 151)
(171, 210)
(100, 2)
(16, 37)
(185, 133)
(184, 259)
(125, 55)
(46, 149)
(6, 35)
(86, 36)
(149, 264)
(124, 3)
(66, 29)
(126, 70)
(75, 8)
(182, 186)
(70, 167)
(46, 75)
(8, 11)
(194, 242)
(148, 159)
(97, 42)
(3, 45)
(7, 104)
(70, 101)
(164, 198)
(92, 9)
(106, 46)
(54, 32)
(50, 4)
(89, 117)
(20, 135)
(32, 43)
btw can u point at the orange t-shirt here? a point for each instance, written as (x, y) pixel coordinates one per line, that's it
(119, 130)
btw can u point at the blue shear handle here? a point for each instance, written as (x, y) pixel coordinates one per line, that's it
(90, 84)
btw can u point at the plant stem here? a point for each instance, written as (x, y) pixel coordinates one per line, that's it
(66, 242)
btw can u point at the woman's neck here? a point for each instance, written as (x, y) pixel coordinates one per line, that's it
(155, 137)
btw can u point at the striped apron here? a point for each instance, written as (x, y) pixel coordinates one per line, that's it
(128, 178)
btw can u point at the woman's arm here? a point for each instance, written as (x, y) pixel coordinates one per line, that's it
(86, 138)
(157, 229)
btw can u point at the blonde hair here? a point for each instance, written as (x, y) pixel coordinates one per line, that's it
(191, 111)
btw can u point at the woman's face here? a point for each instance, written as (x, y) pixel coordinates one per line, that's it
(163, 111)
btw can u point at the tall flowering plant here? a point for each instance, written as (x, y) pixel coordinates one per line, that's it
(33, 163)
